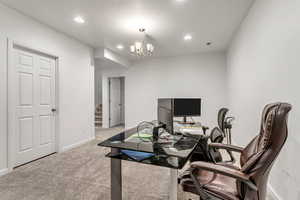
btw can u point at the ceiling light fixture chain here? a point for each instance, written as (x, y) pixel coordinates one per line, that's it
(143, 48)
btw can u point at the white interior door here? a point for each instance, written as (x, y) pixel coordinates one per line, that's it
(34, 99)
(115, 101)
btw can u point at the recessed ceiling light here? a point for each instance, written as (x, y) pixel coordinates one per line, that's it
(79, 20)
(187, 37)
(133, 23)
(120, 46)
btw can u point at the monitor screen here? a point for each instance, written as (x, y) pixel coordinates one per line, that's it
(187, 107)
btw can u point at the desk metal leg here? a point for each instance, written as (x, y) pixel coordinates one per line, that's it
(173, 184)
(116, 177)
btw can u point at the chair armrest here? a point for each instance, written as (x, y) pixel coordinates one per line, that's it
(226, 171)
(226, 147)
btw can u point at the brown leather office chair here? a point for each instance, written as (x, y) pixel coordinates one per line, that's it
(227, 182)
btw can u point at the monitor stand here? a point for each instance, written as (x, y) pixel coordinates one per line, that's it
(185, 121)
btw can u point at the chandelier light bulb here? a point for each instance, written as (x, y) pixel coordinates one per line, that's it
(187, 37)
(138, 45)
(150, 47)
(79, 20)
(132, 48)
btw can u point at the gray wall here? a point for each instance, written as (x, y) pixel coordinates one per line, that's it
(263, 67)
(200, 75)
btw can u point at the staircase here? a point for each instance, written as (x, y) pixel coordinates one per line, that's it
(98, 116)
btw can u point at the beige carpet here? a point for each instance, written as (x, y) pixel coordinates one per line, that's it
(83, 173)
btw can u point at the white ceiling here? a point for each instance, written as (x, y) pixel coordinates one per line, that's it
(112, 22)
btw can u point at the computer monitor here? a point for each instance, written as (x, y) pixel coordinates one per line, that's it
(187, 107)
(177, 107)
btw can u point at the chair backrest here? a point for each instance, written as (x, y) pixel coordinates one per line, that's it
(259, 155)
(221, 118)
(216, 136)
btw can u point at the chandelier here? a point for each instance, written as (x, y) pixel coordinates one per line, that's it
(143, 48)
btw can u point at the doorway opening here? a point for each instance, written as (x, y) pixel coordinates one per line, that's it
(98, 99)
(116, 101)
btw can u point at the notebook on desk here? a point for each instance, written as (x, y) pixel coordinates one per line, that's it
(138, 137)
(137, 155)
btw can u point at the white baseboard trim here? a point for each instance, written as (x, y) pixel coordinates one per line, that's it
(4, 171)
(76, 144)
(273, 193)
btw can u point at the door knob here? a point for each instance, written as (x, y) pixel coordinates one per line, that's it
(53, 110)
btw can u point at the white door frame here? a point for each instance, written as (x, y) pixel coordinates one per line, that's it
(10, 107)
(109, 111)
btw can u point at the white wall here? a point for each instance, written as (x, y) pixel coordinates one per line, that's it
(76, 77)
(3, 105)
(263, 67)
(201, 75)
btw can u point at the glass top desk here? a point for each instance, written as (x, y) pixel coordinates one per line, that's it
(171, 151)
